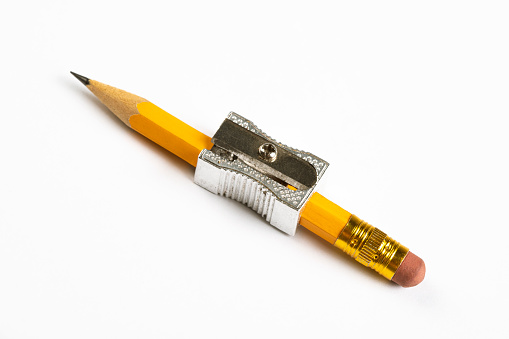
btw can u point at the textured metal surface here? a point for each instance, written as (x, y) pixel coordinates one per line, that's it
(229, 175)
(319, 164)
(285, 165)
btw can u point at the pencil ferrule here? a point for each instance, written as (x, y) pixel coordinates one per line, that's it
(371, 247)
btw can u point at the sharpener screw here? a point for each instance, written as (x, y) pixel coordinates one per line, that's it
(268, 152)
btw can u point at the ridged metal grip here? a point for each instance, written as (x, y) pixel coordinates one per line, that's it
(247, 191)
(371, 247)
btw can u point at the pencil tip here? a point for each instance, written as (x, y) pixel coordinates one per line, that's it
(84, 80)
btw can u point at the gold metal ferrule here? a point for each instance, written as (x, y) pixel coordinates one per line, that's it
(371, 247)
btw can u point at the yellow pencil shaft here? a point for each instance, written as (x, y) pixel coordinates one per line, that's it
(169, 132)
(324, 218)
(320, 215)
(365, 243)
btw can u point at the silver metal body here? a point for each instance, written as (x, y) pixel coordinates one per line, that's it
(255, 183)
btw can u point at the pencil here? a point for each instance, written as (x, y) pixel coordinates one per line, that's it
(363, 242)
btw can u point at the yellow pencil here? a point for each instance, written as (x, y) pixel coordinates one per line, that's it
(264, 181)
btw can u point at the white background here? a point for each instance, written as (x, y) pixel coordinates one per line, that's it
(104, 235)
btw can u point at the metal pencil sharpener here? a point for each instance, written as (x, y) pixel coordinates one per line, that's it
(247, 165)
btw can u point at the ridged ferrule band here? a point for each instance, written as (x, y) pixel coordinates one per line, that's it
(371, 247)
